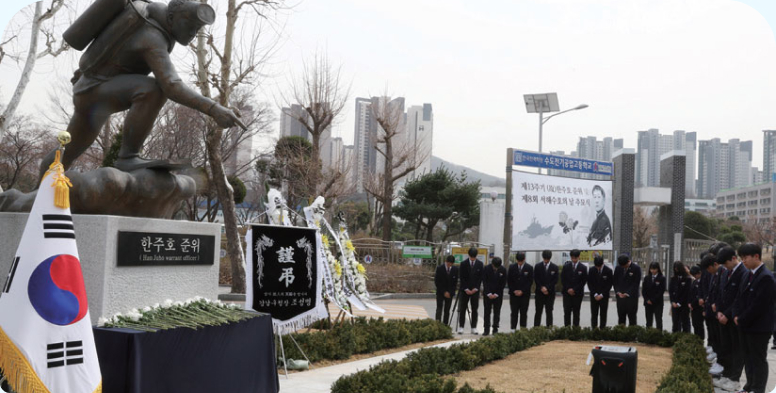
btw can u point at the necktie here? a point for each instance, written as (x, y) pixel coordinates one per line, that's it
(448, 271)
(730, 273)
(751, 276)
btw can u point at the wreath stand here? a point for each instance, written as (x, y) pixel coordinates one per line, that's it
(283, 352)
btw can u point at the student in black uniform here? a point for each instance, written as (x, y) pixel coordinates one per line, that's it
(545, 277)
(652, 289)
(696, 310)
(599, 282)
(754, 315)
(446, 279)
(494, 278)
(520, 278)
(573, 277)
(679, 294)
(470, 273)
(731, 354)
(713, 269)
(627, 277)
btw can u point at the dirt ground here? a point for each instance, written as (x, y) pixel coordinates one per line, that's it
(559, 366)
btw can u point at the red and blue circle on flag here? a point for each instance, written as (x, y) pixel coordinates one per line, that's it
(57, 292)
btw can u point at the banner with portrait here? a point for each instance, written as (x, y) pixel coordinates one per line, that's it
(561, 213)
(283, 276)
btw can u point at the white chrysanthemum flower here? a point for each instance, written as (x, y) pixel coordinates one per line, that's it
(167, 303)
(147, 309)
(101, 321)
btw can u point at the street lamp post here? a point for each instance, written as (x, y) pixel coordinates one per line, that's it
(542, 120)
(545, 103)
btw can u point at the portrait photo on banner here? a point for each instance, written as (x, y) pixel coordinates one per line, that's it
(561, 213)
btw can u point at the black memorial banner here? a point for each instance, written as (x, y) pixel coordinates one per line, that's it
(284, 277)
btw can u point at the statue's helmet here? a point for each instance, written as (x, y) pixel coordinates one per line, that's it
(186, 17)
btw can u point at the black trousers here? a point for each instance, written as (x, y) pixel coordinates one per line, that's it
(697, 322)
(495, 305)
(464, 303)
(544, 303)
(755, 360)
(680, 319)
(443, 304)
(627, 308)
(654, 311)
(571, 306)
(598, 307)
(731, 355)
(712, 327)
(519, 309)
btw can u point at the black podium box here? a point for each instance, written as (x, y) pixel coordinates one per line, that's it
(614, 369)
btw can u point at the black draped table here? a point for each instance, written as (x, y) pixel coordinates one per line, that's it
(234, 358)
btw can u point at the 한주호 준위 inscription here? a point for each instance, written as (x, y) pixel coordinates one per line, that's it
(158, 249)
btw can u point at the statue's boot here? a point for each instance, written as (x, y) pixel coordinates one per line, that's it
(130, 164)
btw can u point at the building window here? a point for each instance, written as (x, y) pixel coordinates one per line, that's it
(741, 195)
(765, 201)
(721, 200)
(731, 197)
(765, 192)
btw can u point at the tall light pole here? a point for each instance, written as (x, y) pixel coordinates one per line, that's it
(545, 103)
(542, 120)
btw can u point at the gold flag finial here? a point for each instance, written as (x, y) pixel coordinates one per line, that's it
(61, 182)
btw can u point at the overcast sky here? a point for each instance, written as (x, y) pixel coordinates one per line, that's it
(693, 65)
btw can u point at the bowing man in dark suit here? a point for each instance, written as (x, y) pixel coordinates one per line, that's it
(519, 278)
(696, 294)
(599, 282)
(653, 288)
(627, 277)
(545, 277)
(573, 277)
(446, 279)
(469, 290)
(713, 270)
(754, 315)
(731, 354)
(494, 279)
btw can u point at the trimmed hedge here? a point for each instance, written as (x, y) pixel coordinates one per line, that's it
(363, 336)
(422, 371)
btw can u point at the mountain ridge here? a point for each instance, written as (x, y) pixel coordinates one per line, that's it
(485, 179)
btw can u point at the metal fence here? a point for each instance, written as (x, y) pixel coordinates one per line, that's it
(690, 255)
(383, 252)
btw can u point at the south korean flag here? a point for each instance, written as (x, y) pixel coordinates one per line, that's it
(46, 341)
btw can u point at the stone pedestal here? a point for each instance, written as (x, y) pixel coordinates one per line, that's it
(112, 288)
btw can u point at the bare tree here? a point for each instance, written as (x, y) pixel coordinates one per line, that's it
(762, 231)
(322, 95)
(399, 158)
(644, 226)
(20, 151)
(52, 49)
(237, 63)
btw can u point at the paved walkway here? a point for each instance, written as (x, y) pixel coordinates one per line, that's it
(319, 380)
